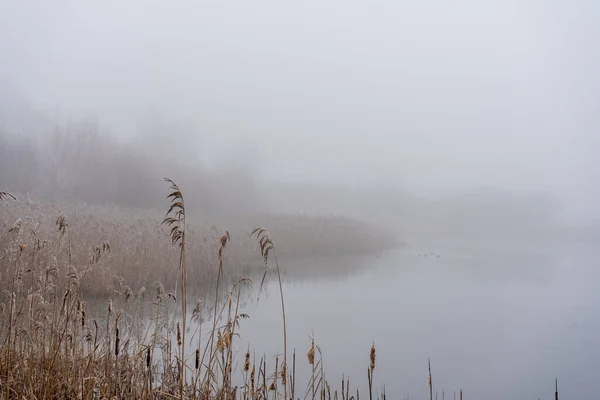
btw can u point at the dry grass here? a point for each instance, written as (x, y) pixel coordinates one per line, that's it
(141, 253)
(59, 340)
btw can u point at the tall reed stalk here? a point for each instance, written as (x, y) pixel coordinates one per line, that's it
(266, 247)
(175, 219)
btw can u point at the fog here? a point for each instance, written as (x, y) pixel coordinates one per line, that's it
(430, 98)
(451, 122)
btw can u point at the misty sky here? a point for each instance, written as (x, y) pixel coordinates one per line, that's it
(431, 95)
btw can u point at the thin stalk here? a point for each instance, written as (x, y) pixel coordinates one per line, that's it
(430, 380)
(284, 321)
(183, 310)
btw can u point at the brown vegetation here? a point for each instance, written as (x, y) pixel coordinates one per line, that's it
(140, 251)
(56, 342)
(59, 342)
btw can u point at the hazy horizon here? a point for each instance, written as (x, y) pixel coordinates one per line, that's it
(429, 99)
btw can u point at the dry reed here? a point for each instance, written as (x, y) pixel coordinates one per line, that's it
(58, 341)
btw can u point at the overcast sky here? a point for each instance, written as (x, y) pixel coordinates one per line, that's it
(432, 95)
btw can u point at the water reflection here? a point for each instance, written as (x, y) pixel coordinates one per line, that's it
(497, 319)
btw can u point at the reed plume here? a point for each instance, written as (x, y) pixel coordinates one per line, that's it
(266, 248)
(370, 370)
(6, 195)
(175, 220)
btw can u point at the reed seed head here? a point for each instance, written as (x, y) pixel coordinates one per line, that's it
(178, 335)
(197, 359)
(227, 338)
(247, 362)
(220, 345)
(284, 374)
(311, 353)
(372, 358)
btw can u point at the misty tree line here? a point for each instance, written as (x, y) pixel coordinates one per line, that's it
(77, 161)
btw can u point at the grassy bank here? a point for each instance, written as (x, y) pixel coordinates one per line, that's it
(54, 344)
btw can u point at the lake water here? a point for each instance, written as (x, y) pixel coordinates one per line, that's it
(497, 320)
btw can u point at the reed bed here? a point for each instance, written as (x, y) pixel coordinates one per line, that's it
(73, 326)
(141, 253)
(70, 328)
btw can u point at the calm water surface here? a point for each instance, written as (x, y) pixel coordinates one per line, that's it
(497, 320)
